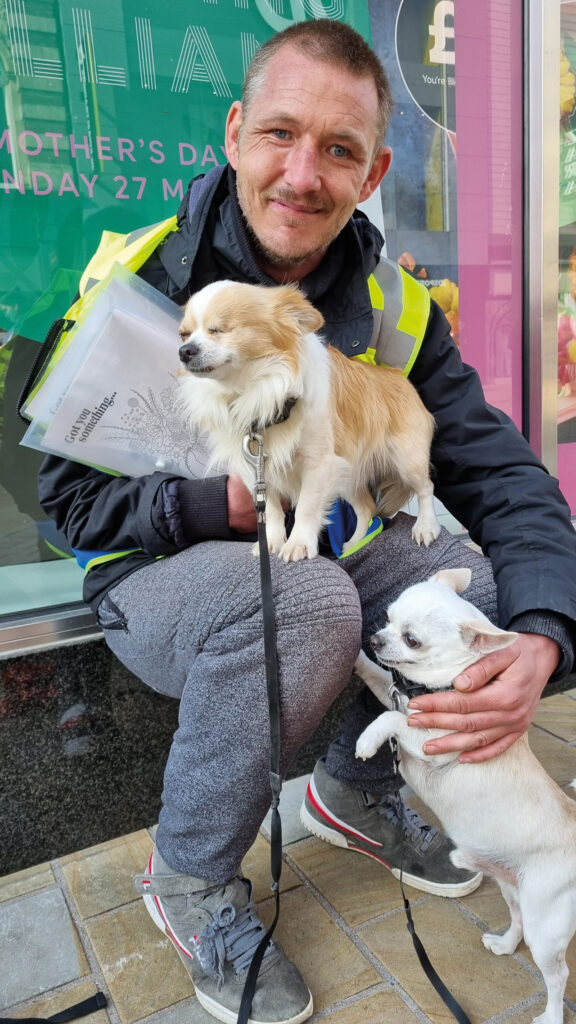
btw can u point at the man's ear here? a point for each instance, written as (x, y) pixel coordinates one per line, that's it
(380, 167)
(233, 124)
(483, 637)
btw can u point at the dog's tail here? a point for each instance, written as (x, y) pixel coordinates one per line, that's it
(391, 497)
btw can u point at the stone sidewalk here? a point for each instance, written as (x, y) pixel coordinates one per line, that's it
(75, 926)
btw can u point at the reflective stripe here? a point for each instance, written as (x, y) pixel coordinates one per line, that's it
(369, 356)
(130, 250)
(415, 313)
(376, 293)
(405, 316)
(375, 526)
(111, 557)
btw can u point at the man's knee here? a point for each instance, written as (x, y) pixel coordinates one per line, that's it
(318, 591)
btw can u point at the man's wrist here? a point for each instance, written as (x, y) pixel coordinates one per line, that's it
(555, 627)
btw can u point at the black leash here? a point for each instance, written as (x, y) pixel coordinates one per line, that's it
(96, 1002)
(430, 972)
(432, 975)
(272, 685)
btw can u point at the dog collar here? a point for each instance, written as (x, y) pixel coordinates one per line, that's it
(281, 416)
(406, 688)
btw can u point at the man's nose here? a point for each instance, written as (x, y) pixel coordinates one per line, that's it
(302, 172)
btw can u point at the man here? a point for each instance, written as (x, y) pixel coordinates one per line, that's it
(305, 146)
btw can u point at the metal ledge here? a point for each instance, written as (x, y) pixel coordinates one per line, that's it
(42, 629)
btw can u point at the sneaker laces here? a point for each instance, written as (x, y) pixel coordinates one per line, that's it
(419, 834)
(233, 935)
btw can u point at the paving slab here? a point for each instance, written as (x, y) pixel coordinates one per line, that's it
(39, 946)
(140, 966)
(28, 880)
(356, 886)
(46, 1006)
(384, 1007)
(100, 878)
(557, 715)
(485, 985)
(329, 961)
(558, 758)
(188, 1012)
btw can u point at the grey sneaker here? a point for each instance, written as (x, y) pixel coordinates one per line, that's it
(216, 931)
(386, 829)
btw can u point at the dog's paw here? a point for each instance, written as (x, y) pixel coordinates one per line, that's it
(425, 531)
(295, 549)
(368, 744)
(501, 945)
(459, 860)
(276, 542)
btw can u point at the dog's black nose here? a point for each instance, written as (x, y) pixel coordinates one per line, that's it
(188, 351)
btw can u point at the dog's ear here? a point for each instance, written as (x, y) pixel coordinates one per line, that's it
(483, 637)
(290, 301)
(456, 579)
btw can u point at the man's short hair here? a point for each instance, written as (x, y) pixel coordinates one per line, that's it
(330, 41)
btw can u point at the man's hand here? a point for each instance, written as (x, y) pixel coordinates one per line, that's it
(486, 720)
(241, 511)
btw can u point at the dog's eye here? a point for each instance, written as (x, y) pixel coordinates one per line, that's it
(410, 640)
(215, 330)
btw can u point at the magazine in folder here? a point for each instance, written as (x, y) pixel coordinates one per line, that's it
(111, 401)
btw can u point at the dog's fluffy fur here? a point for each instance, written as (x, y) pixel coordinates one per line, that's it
(505, 816)
(354, 429)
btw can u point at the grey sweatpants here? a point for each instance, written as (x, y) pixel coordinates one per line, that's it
(190, 626)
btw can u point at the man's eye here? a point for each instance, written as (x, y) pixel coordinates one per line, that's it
(340, 151)
(280, 133)
(410, 640)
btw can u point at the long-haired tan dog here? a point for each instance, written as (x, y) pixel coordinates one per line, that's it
(332, 426)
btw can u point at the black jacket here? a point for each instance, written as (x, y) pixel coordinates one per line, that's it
(485, 472)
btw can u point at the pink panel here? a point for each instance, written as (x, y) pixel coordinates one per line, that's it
(489, 180)
(567, 472)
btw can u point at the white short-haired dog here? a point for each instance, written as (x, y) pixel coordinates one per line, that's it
(505, 816)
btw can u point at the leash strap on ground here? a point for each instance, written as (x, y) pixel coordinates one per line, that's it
(433, 977)
(430, 972)
(273, 688)
(96, 1002)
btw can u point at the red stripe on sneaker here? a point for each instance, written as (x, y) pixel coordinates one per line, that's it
(373, 856)
(168, 929)
(314, 798)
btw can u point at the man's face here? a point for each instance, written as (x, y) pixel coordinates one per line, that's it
(305, 156)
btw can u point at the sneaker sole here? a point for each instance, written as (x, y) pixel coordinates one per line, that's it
(229, 1017)
(154, 908)
(322, 830)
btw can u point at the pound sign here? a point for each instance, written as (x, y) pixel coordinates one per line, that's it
(441, 32)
